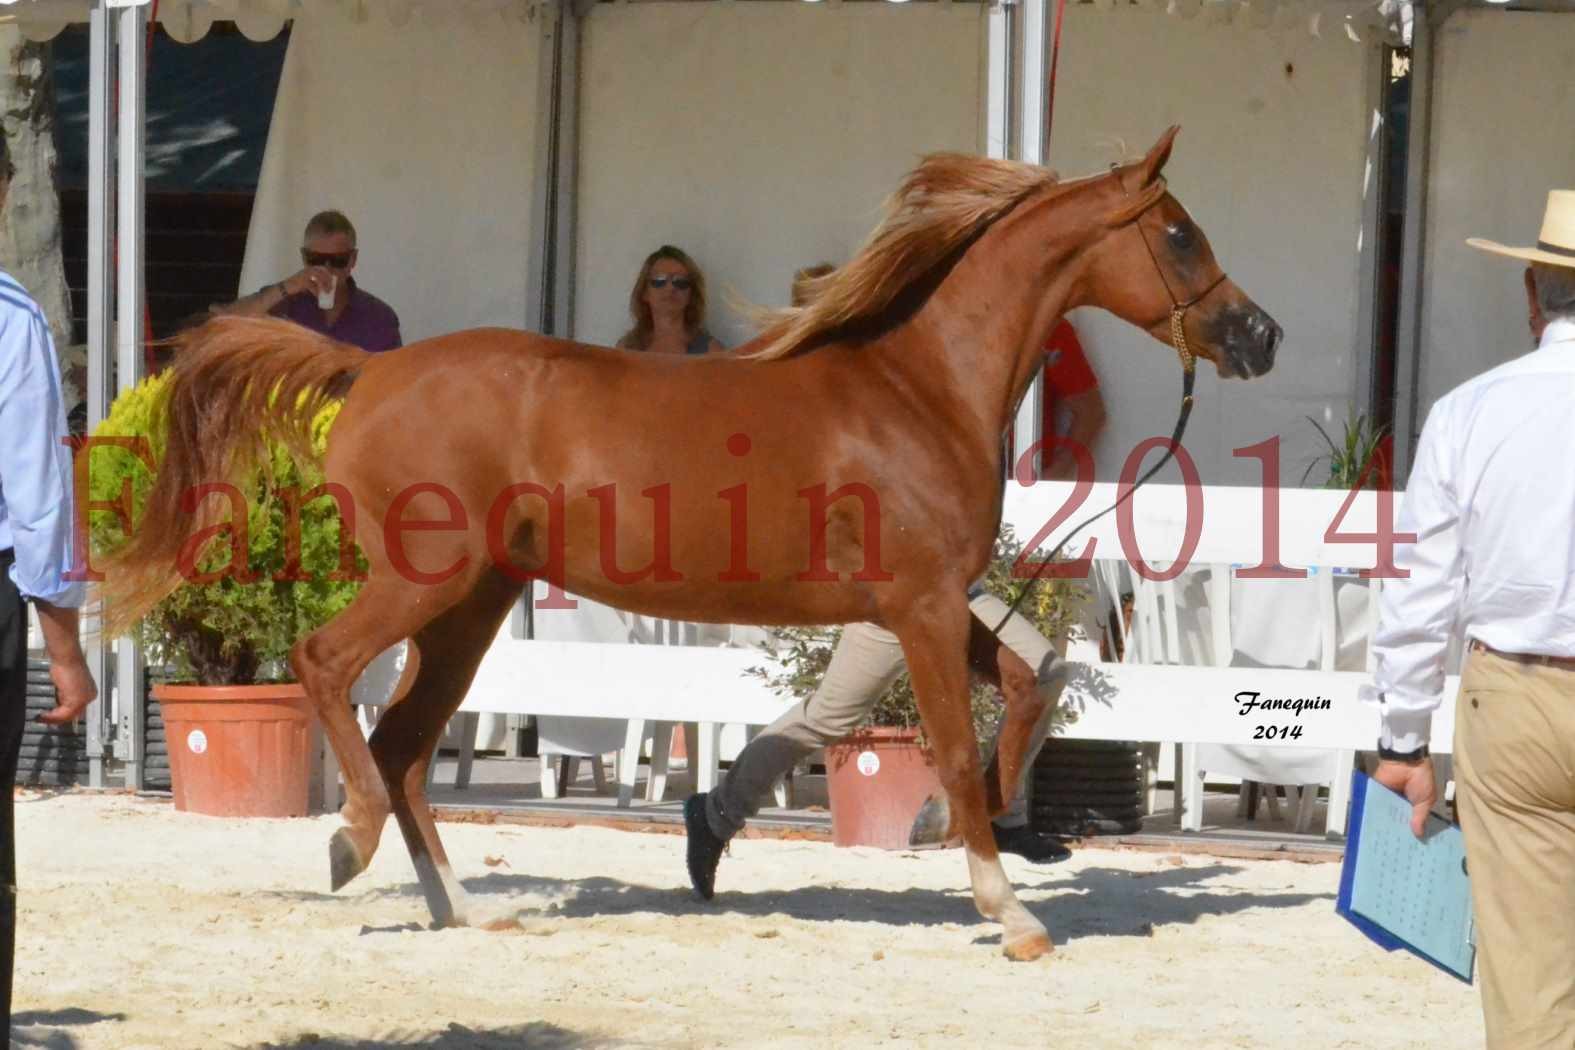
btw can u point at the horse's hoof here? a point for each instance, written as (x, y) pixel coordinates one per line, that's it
(1028, 947)
(344, 860)
(932, 823)
(504, 924)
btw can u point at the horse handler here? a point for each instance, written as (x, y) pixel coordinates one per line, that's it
(867, 660)
(35, 555)
(1491, 500)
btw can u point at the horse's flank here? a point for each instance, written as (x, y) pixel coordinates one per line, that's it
(721, 480)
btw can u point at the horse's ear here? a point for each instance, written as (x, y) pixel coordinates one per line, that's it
(1155, 161)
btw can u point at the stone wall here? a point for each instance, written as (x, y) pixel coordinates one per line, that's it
(30, 248)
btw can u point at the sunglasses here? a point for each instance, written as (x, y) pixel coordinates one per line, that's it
(683, 284)
(332, 260)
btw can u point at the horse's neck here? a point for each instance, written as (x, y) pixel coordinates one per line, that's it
(980, 339)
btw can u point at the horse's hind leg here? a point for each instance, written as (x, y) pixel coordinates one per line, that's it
(1031, 695)
(327, 663)
(450, 648)
(934, 635)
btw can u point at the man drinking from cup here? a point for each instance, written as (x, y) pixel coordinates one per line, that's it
(322, 295)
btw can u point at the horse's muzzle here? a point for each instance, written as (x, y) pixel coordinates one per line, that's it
(1247, 339)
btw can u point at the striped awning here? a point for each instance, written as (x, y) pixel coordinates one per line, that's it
(190, 20)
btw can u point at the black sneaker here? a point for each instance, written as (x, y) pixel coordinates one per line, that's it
(704, 848)
(1029, 844)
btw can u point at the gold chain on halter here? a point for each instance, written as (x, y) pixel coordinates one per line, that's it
(1178, 339)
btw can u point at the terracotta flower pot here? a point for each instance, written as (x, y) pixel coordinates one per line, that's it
(239, 751)
(877, 779)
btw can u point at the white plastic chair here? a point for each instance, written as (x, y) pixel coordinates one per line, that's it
(1300, 773)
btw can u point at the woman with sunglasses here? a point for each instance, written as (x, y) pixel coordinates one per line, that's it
(667, 304)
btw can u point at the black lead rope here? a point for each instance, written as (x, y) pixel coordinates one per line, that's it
(1188, 376)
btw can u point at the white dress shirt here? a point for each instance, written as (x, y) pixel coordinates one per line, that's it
(1491, 499)
(35, 464)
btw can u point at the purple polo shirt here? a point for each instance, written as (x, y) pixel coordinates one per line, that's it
(367, 322)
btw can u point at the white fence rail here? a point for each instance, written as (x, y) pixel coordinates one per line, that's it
(1178, 683)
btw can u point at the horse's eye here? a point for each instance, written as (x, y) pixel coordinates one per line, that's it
(1180, 235)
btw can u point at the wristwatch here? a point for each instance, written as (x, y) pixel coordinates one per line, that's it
(1412, 757)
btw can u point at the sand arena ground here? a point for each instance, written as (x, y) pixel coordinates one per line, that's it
(144, 927)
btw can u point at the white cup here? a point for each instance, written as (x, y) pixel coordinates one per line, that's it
(325, 294)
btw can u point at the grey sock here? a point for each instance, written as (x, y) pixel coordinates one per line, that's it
(722, 826)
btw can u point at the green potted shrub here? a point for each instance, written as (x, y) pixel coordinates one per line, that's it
(1356, 459)
(240, 733)
(879, 776)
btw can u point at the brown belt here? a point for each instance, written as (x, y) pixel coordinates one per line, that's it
(1563, 663)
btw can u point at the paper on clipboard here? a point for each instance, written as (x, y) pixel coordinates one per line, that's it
(1406, 892)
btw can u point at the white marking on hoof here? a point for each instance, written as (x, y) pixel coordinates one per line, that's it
(1023, 937)
(456, 895)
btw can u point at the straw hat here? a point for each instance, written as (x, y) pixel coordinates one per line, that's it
(1555, 245)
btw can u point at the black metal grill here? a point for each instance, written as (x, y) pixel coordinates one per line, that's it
(52, 756)
(1087, 787)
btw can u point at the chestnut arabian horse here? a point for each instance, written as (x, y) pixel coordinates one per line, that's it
(844, 466)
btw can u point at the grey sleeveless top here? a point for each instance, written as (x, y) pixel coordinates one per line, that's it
(700, 344)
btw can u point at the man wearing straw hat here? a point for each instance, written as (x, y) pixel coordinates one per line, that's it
(1491, 500)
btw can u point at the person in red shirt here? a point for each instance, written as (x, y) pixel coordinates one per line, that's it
(1072, 405)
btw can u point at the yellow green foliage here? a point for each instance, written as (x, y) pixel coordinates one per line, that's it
(227, 632)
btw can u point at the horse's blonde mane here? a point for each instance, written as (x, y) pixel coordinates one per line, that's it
(943, 203)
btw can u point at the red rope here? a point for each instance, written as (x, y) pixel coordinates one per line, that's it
(1055, 60)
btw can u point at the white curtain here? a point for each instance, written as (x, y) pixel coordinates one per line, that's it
(425, 138)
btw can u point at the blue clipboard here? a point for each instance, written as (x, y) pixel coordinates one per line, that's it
(1403, 892)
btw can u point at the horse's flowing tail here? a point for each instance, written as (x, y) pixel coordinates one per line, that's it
(237, 383)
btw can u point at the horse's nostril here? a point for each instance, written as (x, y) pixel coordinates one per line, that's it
(1271, 342)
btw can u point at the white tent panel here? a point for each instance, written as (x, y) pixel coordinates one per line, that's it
(1500, 143)
(1269, 161)
(426, 141)
(757, 137)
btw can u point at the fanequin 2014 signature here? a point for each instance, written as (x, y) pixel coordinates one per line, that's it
(1250, 701)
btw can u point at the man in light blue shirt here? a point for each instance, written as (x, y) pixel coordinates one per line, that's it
(35, 555)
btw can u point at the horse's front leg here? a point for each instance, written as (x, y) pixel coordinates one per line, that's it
(451, 648)
(1031, 695)
(934, 634)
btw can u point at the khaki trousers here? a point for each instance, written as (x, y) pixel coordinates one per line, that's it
(863, 666)
(1515, 781)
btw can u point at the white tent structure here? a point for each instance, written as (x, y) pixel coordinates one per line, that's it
(510, 161)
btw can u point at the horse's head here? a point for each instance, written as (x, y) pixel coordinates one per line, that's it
(1154, 269)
